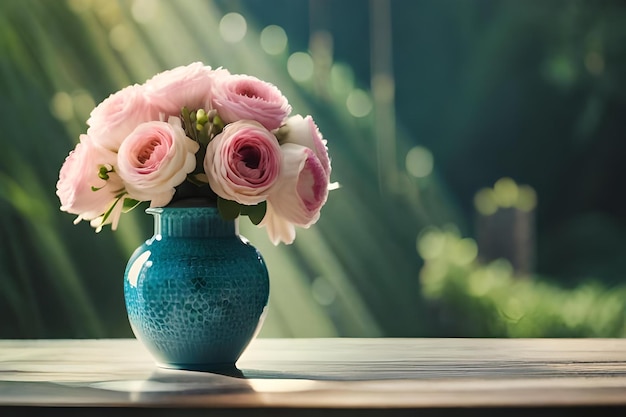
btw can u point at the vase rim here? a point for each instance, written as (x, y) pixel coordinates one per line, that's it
(160, 210)
(192, 202)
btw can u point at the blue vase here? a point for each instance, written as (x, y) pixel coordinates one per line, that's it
(196, 292)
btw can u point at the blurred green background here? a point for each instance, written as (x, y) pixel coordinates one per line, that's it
(479, 146)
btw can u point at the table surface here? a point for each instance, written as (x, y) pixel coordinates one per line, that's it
(322, 376)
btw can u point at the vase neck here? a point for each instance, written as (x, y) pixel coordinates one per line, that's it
(191, 222)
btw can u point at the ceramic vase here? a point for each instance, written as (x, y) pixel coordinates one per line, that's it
(196, 292)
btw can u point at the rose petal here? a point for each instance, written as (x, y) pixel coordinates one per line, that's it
(278, 229)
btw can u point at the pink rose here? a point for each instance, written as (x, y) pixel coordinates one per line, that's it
(302, 188)
(116, 116)
(155, 158)
(243, 162)
(79, 174)
(237, 97)
(185, 86)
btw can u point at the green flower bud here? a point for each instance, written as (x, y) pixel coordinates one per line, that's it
(201, 116)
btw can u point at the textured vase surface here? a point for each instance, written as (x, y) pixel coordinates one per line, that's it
(196, 292)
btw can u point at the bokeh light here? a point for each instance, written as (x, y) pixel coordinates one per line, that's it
(463, 251)
(419, 162)
(485, 202)
(233, 27)
(505, 192)
(430, 243)
(359, 103)
(61, 106)
(273, 40)
(83, 103)
(527, 198)
(300, 66)
(121, 37)
(145, 11)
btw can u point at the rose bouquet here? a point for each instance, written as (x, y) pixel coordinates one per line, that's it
(195, 131)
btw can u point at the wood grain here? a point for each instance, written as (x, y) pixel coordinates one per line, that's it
(323, 374)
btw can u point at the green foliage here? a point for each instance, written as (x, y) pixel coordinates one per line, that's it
(490, 300)
(230, 210)
(255, 212)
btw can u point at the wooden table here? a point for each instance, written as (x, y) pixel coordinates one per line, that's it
(325, 377)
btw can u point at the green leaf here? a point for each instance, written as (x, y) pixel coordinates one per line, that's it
(106, 215)
(229, 210)
(256, 213)
(198, 179)
(217, 121)
(188, 124)
(184, 112)
(129, 204)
